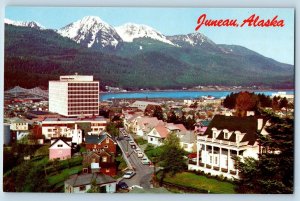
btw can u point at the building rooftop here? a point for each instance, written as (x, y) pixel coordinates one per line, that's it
(76, 77)
(96, 139)
(94, 118)
(247, 125)
(85, 179)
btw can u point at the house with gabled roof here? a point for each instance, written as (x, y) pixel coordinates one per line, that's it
(225, 138)
(59, 149)
(145, 124)
(98, 143)
(157, 135)
(188, 140)
(101, 161)
(83, 183)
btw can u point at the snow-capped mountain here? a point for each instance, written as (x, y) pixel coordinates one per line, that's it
(130, 31)
(192, 39)
(91, 31)
(30, 24)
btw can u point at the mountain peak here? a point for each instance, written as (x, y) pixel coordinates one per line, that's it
(31, 24)
(92, 19)
(191, 39)
(130, 31)
(91, 31)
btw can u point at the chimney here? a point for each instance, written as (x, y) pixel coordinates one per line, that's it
(260, 124)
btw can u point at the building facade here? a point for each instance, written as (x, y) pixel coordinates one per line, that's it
(74, 128)
(74, 95)
(227, 137)
(59, 149)
(83, 183)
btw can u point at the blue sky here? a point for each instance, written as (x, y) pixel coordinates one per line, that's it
(276, 43)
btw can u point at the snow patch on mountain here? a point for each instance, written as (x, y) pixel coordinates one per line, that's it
(90, 31)
(30, 24)
(129, 31)
(192, 39)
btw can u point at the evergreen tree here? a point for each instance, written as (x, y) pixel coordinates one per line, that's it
(274, 171)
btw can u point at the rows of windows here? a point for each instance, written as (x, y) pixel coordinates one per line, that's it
(82, 112)
(83, 104)
(83, 84)
(82, 92)
(83, 108)
(98, 124)
(70, 101)
(83, 88)
(83, 96)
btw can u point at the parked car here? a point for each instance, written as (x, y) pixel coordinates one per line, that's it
(140, 154)
(131, 142)
(129, 174)
(145, 161)
(133, 146)
(122, 185)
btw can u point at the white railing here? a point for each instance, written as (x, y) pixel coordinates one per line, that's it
(223, 142)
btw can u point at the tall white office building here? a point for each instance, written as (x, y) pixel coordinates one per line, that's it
(74, 95)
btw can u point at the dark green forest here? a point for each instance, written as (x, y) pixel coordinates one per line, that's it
(33, 57)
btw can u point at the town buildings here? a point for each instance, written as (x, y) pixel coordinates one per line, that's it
(74, 95)
(73, 127)
(142, 105)
(227, 137)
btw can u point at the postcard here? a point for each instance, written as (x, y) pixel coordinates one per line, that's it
(149, 100)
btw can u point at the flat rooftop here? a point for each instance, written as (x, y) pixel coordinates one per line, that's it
(95, 118)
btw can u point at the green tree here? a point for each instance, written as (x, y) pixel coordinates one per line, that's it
(172, 157)
(274, 171)
(275, 102)
(172, 118)
(283, 103)
(158, 113)
(94, 187)
(246, 101)
(190, 122)
(112, 129)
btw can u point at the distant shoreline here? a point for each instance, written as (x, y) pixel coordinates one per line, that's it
(188, 90)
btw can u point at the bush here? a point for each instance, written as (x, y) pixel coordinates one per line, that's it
(141, 141)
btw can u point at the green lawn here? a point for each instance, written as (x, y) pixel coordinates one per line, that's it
(63, 175)
(201, 182)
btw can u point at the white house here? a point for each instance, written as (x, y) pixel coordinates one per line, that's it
(72, 127)
(18, 124)
(157, 135)
(20, 127)
(82, 183)
(225, 138)
(188, 141)
(145, 124)
(59, 149)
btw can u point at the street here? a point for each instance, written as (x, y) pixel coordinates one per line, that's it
(143, 172)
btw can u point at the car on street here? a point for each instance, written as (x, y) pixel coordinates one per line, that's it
(129, 174)
(140, 154)
(122, 185)
(145, 161)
